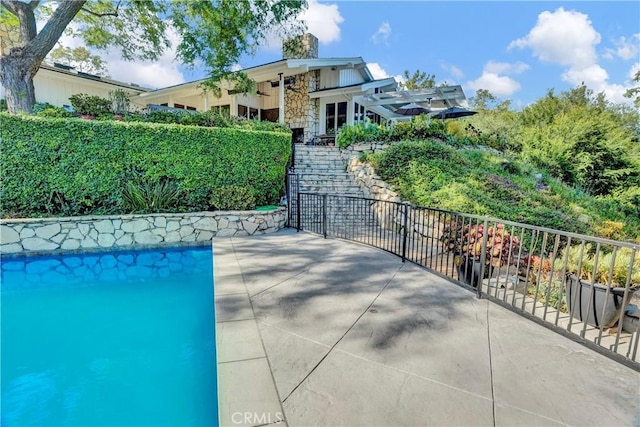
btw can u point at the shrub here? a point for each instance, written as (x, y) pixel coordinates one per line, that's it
(150, 197)
(232, 197)
(81, 167)
(53, 111)
(89, 104)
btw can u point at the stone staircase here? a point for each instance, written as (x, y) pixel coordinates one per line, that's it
(321, 170)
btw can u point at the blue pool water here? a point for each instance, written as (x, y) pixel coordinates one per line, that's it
(113, 339)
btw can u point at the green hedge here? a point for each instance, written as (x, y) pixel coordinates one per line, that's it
(57, 166)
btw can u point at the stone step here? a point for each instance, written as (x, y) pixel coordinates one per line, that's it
(320, 162)
(328, 179)
(309, 187)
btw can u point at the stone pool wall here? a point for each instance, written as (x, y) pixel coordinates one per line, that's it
(94, 233)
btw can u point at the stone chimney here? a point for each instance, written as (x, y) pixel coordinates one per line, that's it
(300, 47)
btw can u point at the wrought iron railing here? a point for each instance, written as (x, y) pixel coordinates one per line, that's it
(541, 273)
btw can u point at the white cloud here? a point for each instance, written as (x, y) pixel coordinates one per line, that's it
(625, 48)
(500, 86)
(455, 71)
(382, 35)
(496, 83)
(633, 70)
(564, 37)
(323, 21)
(592, 76)
(505, 67)
(380, 73)
(569, 39)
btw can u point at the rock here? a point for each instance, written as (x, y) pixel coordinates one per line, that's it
(146, 237)
(27, 232)
(204, 236)
(135, 226)
(8, 235)
(208, 223)
(249, 227)
(186, 231)
(48, 231)
(172, 237)
(84, 229)
(70, 244)
(125, 240)
(10, 248)
(160, 221)
(38, 244)
(173, 225)
(88, 243)
(104, 226)
(106, 240)
(75, 234)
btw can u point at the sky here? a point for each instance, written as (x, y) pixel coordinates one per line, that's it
(517, 50)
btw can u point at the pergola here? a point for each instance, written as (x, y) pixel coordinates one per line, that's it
(435, 99)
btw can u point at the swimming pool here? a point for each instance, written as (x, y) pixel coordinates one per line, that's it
(121, 338)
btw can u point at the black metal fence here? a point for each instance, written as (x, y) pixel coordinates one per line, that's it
(580, 286)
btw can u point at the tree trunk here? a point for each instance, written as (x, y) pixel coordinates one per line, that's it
(16, 75)
(18, 67)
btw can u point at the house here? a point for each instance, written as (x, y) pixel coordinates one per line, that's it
(309, 94)
(56, 83)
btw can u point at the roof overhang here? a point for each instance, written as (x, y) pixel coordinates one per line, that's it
(436, 99)
(360, 88)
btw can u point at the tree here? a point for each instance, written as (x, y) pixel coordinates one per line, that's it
(483, 99)
(79, 58)
(634, 91)
(215, 33)
(418, 80)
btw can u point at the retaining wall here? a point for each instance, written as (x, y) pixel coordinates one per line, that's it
(94, 233)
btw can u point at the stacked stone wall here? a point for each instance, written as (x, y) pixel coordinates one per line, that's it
(45, 235)
(374, 187)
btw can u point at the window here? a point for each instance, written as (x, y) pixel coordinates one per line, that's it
(336, 116)
(242, 111)
(331, 117)
(253, 113)
(224, 110)
(270, 115)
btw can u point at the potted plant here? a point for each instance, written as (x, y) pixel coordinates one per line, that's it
(597, 292)
(120, 103)
(465, 241)
(89, 106)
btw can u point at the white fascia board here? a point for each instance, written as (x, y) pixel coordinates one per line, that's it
(389, 81)
(314, 63)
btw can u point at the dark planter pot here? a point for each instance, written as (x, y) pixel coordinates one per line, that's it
(469, 272)
(582, 305)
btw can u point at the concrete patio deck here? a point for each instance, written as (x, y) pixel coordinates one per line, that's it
(315, 332)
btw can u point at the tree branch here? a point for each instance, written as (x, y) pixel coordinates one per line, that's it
(99, 15)
(90, 12)
(39, 46)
